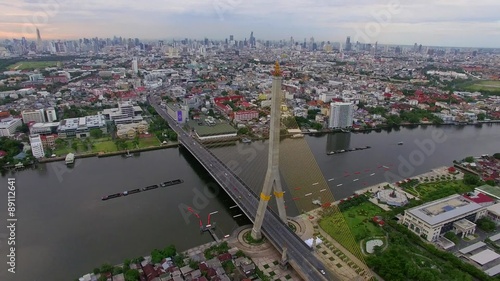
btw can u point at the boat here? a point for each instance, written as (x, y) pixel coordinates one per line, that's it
(246, 140)
(330, 153)
(111, 196)
(125, 193)
(150, 187)
(296, 136)
(345, 130)
(400, 143)
(70, 159)
(169, 183)
(128, 154)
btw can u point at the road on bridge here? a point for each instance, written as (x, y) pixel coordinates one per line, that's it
(278, 233)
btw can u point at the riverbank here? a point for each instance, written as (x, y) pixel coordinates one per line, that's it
(109, 154)
(409, 125)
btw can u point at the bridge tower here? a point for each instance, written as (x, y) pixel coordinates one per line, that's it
(272, 180)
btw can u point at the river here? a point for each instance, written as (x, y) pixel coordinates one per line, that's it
(64, 229)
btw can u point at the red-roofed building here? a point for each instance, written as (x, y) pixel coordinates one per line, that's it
(479, 198)
(149, 272)
(225, 257)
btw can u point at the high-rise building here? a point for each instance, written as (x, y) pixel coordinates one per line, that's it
(51, 114)
(135, 67)
(340, 115)
(37, 146)
(36, 116)
(348, 45)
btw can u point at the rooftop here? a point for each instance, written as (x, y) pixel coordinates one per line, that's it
(444, 209)
(212, 130)
(493, 191)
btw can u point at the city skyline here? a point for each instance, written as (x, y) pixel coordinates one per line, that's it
(438, 23)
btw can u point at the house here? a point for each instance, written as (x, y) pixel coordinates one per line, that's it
(224, 257)
(149, 272)
(245, 265)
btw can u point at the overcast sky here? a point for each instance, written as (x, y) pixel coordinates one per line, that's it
(461, 23)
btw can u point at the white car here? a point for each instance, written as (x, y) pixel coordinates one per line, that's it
(322, 271)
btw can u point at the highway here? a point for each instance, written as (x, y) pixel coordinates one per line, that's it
(300, 256)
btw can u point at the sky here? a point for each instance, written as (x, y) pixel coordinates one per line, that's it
(460, 23)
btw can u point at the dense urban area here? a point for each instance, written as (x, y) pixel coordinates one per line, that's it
(66, 99)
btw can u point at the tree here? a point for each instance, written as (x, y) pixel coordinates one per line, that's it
(469, 159)
(96, 270)
(243, 131)
(486, 224)
(471, 179)
(496, 156)
(135, 142)
(60, 143)
(74, 145)
(24, 128)
(132, 275)
(106, 268)
(102, 278)
(96, 133)
(481, 116)
(117, 270)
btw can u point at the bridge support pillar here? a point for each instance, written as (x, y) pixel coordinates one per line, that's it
(272, 180)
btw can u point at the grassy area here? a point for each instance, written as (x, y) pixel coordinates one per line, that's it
(147, 142)
(435, 190)
(355, 221)
(25, 65)
(489, 87)
(104, 146)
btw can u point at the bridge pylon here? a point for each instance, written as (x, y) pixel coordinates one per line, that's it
(272, 180)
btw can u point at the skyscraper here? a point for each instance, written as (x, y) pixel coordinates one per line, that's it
(272, 179)
(38, 40)
(252, 40)
(135, 67)
(340, 115)
(348, 45)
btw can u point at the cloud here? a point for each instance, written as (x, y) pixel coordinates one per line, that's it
(458, 21)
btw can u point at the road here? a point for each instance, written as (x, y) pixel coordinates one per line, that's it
(277, 232)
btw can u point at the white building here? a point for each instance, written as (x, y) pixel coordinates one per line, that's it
(135, 67)
(80, 127)
(36, 146)
(126, 113)
(453, 213)
(36, 115)
(178, 112)
(9, 125)
(327, 97)
(51, 114)
(340, 115)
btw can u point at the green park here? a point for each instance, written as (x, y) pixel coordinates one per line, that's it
(404, 255)
(29, 65)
